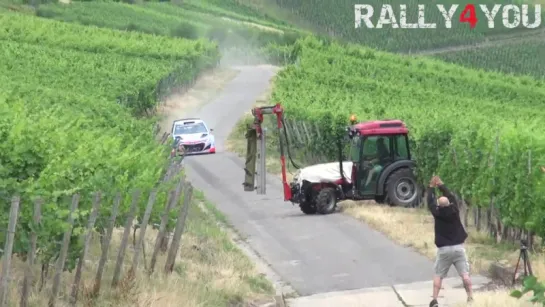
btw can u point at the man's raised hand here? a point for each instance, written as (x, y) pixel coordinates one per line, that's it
(433, 181)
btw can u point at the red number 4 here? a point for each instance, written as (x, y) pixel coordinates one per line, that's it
(468, 15)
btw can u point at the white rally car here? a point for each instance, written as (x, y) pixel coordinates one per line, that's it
(194, 135)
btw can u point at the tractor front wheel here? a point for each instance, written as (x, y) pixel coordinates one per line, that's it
(326, 201)
(402, 189)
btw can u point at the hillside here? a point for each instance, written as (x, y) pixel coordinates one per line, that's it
(247, 35)
(68, 109)
(518, 57)
(79, 116)
(39, 68)
(242, 39)
(336, 19)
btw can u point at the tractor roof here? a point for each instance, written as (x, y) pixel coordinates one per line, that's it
(381, 127)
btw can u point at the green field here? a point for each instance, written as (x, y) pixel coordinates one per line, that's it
(524, 58)
(234, 10)
(187, 21)
(221, 22)
(242, 39)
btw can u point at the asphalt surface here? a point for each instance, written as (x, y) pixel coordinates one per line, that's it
(314, 254)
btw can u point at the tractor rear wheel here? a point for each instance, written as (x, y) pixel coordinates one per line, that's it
(402, 189)
(308, 207)
(326, 201)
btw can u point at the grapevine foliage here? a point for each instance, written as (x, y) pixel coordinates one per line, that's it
(506, 58)
(336, 18)
(480, 131)
(68, 96)
(531, 284)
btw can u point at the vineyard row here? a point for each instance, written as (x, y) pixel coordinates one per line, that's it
(68, 96)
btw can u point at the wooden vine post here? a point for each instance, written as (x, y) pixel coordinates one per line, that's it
(106, 245)
(87, 241)
(180, 224)
(142, 234)
(125, 239)
(64, 251)
(8, 249)
(29, 276)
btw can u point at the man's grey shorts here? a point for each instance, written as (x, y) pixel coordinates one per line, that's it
(451, 255)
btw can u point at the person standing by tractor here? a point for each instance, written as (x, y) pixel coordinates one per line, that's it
(450, 236)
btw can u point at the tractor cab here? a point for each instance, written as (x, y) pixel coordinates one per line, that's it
(378, 151)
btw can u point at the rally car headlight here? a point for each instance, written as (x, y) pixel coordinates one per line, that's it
(206, 138)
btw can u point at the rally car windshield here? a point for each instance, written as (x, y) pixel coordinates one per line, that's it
(190, 129)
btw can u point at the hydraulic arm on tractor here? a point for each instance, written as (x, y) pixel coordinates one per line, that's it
(379, 165)
(255, 134)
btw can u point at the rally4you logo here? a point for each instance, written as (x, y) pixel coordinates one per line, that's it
(512, 16)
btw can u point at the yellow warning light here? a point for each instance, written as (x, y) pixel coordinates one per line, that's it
(352, 118)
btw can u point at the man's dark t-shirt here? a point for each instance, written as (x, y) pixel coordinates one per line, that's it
(448, 226)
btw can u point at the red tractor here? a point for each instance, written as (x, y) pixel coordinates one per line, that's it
(379, 167)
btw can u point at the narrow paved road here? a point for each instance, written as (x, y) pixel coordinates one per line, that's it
(314, 254)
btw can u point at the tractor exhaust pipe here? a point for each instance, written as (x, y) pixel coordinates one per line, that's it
(341, 158)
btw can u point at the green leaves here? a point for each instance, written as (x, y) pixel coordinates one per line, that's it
(516, 294)
(530, 284)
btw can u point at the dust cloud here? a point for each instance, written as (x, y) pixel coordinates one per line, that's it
(236, 50)
(180, 104)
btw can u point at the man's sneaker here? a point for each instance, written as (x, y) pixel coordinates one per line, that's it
(434, 303)
(470, 299)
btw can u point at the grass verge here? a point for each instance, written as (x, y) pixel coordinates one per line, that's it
(409, 227)
(395, 223)
(414, 228)
(210, 270)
